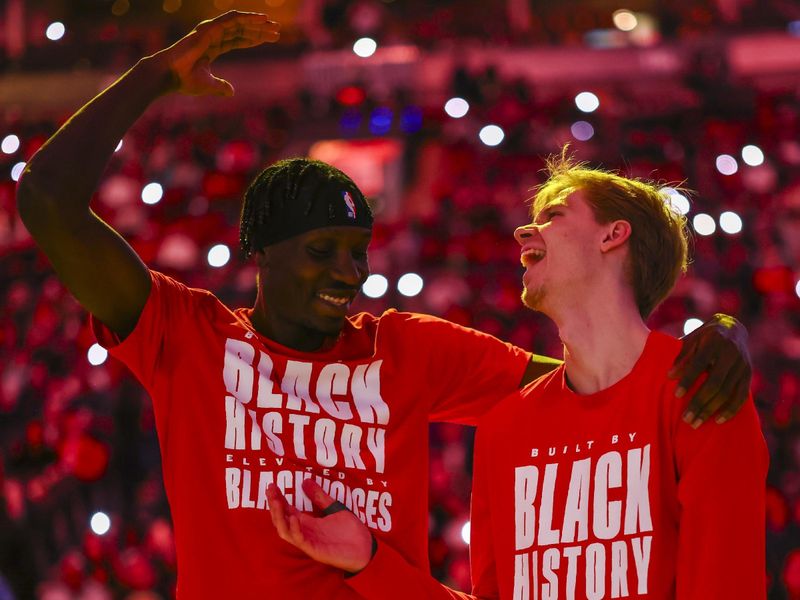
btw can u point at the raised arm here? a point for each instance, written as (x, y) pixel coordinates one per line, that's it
(93, 261)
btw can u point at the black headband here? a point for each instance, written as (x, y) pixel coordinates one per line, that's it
(319, 203)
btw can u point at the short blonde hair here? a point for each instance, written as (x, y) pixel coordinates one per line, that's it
(658, 245)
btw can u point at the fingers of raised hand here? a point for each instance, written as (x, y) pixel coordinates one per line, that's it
(240, 32)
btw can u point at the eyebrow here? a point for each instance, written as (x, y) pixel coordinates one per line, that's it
(559, 203)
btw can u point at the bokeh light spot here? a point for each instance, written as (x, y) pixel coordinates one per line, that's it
(582, 130)
(704, 224)
(690, 325)
(96, 355)
(456, 107)
(152, 193)
(726, 164)
(100, 523)
(55, 31)
(730, 222)
(491, 135)
(410, 284)
(365, 47)
(587, 102)
(219, 255)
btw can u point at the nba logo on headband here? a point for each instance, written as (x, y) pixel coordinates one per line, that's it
(349, 204)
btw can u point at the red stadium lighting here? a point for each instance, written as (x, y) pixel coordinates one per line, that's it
(351, 96)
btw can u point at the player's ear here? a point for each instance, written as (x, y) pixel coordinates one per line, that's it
(615, 235)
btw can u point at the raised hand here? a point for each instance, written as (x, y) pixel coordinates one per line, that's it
(719, 349)
(337, 538)
(189, 58)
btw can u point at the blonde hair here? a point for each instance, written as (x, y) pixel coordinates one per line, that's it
(658, 244)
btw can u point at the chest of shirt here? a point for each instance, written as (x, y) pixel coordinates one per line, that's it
(582, 488)
(263, 416)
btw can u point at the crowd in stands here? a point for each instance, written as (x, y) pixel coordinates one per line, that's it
(99, 35)
(77, 438)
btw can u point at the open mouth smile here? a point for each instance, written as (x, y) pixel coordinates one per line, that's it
(531, 256)
(338, 301)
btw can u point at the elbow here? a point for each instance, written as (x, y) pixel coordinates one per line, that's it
(27, 200)
(25, 196)
(34, 201)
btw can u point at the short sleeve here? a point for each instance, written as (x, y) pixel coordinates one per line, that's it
(466, 371)
(721, 490)
(169, 307)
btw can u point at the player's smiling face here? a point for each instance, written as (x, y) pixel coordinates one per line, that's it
(309, 281)
(560, 252)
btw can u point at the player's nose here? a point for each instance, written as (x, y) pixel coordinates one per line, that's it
(523, 233)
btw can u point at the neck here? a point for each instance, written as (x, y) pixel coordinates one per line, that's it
(291, 335)
(602, 342)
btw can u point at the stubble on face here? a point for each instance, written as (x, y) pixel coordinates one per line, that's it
(532, 298)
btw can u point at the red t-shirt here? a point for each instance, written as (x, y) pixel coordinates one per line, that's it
(611, 495)
(606, 495)
(235, 412)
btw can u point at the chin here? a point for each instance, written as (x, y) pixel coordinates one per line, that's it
(533, 298)
(329, 326)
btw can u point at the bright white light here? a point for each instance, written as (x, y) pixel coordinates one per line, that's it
(97, 355)
(752, 155)
(726, 164)
(10, 144)
(16, 171)
(465, 533)
(100, 523)
(152, 193)
(582, 130)
(704, 224)
(55, 31)
(730, 222)
(491, 135)
(409, 284)
(797, 288)
(456, 107)
(219, 255)
(375, 286)
(119, 147)
(691, 325)
(587, 102)
(625, 20)
(677, 200)
(365, 47)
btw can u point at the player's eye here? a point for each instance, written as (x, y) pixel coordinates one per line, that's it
(318, 251)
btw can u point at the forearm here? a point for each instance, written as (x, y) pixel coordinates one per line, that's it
(390, 577)
(64, 173)
(538, 366)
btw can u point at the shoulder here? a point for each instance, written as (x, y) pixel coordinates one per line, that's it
(424, 324)
(515, 404)
(172, 292)
(666, 348)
